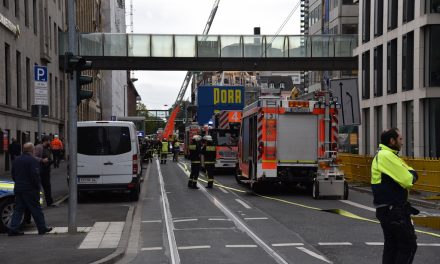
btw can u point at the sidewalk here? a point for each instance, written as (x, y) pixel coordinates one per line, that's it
(102, 224)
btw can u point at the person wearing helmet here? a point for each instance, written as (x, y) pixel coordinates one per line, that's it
(164, 150)
(209, 156)
(194, 156)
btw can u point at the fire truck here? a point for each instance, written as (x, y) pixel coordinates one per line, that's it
(190, 131)
(283, 141)
(225, 132)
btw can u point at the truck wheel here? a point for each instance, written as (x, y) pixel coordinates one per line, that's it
(315, 190)
(6, 209)
(256, 186)
(345, 197)
(237, 176)
(134, 194)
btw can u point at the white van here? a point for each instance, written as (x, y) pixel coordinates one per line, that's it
(108, 157)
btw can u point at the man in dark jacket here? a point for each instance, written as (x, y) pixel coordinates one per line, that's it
(194, 155)
(43, 153)
(14, 149)
(391, 179)
(26, 175)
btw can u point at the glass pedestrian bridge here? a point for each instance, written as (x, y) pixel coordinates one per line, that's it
(218, 52)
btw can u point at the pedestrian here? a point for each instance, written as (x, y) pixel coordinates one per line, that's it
(14, 149)
(194, 156)
(391, 179)
(56, 147)
(164, 150)
(26, 175)
(208, 151)
(42, 152)
(176, 150)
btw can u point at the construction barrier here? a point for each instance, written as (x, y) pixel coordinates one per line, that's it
(357, 169)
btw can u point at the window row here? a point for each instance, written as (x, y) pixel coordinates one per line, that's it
(315, 15)
(18, 74)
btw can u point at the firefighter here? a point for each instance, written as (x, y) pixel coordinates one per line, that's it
(194, 156)
(164, 150)
(150, 150)
(208, 152)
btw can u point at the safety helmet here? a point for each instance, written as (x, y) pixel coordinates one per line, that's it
(207, 138)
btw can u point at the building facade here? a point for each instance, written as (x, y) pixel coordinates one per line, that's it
(29, 32)
(399, 78)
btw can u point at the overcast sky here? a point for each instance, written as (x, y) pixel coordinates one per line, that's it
(159, 88)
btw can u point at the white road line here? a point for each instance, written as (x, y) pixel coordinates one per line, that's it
(185, 220)
(175, 258)
(194, 247)
(359, 205)
(241, 225)
(151, 248)
(218, 219)
(335, 244)
(287, 245)
(428, 244)
(152, 221)
(243, 203)
(374, 243)
(313, 254)
(223, 190)
(256, 218)
(241, 246)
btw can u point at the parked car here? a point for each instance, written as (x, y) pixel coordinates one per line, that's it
(7, 203)
(108, 157)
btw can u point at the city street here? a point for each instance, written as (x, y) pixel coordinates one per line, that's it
(230, 224)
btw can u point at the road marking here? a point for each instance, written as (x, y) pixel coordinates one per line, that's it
(223, 190)
(243, 203)
(185, 220)
(103, 235)
(218, 219)
(358, 205)
(288, 245)
(152, 221)
(335, 244)
(313, 254)
(241, 225)
(151, 248)
(60, 230)
(241, 246)
(428, 244)
(256, 218)
(175, 258)
(194, 247)
(374, 243)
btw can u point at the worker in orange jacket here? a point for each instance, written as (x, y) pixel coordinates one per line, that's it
(57, 147)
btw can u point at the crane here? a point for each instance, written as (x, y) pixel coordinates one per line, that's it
(169, 128)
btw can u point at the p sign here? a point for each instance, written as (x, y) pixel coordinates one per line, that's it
(40, 73)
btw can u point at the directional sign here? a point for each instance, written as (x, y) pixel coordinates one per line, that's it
(40, 85)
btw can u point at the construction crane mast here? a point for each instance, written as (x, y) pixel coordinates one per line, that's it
(169, 128)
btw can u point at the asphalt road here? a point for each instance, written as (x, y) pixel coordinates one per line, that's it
(230, 224)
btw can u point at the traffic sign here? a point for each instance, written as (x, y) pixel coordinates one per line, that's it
(40, 85)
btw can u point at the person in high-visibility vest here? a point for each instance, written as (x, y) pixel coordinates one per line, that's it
(209, 156)
(164, 150)
(194, 156)
(176, 150)
(391, 180)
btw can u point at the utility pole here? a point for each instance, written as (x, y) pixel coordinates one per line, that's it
(73, 49)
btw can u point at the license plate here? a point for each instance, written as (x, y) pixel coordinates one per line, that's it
(87, 180)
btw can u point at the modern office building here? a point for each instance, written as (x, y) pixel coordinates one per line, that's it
(29, 36)
(399, 76)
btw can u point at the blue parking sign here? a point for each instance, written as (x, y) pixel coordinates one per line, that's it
(40, 73)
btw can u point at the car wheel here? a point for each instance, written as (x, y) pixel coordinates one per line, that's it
(6, 210)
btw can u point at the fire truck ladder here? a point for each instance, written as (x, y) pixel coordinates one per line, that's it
(169, 128)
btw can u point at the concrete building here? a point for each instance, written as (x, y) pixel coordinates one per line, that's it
(29, 36)
(400, 74)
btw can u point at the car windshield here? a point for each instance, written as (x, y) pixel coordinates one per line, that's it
(225, 138)
(103, 140)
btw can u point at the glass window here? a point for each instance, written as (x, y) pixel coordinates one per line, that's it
(433, 55)
(26, 13)
(103, 140)
(378, 123)
(350, 29)
(435, 6)
(366, 9)
(408, 61)
(366, 129)
(7, 83)
(409, 128)
(392, 14)
(18, 77)
(392, 115)
(378, 17)
(378, 87)
(17, 8)
(432, 127)
(366, 75)
(392, 66)
(34, 16)
(28, 84)
(348, 2)
(408, 10)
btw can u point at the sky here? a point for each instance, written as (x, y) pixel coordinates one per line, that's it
(159, 89)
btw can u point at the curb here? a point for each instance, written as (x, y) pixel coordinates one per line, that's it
(123, 243)
(414, 201)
